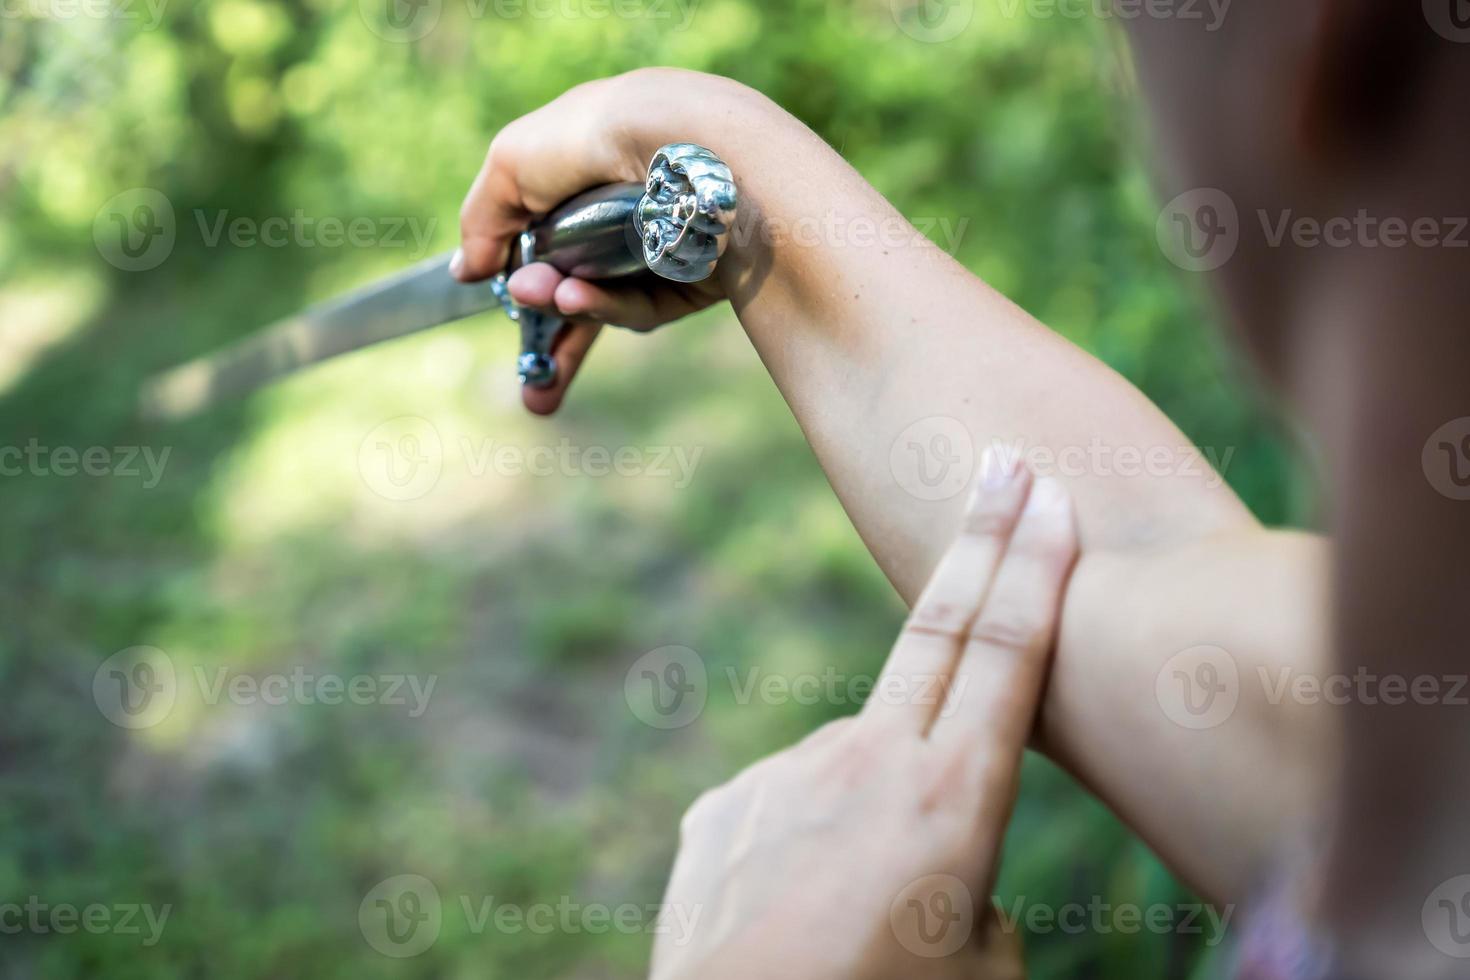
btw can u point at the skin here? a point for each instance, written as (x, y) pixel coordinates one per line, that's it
(767, 859)
(866, 339)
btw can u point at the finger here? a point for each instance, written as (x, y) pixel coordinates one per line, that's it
(534, 164)
(535, 285)
(998, 682)
(570, 350)
(542, 286)
(634, 307)
(909, 690)
(492, 214)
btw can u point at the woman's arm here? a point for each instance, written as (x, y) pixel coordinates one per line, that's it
(901, 367)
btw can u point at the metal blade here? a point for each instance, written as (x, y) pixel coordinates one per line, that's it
(418, 298)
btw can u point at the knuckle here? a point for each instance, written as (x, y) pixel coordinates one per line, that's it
(502, 144)
(755, 774)
(945, 619)
(645, 74)
(657, 77)
(595, 101)
(1008, 629)
(850, 766)
(862, 744)
(591, 86)
(702, 811)
(859, 740)
(941, 781)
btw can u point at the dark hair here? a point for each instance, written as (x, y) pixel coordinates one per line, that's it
(1371, 61)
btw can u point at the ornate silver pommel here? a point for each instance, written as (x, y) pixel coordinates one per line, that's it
(686, 212)
(675, 224)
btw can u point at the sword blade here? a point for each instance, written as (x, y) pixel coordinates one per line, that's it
(415, 299)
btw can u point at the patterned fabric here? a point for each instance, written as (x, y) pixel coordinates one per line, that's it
(1278, 945)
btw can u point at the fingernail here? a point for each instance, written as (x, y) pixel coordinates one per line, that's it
(1048, 495)
(456, 262)
(995, 472)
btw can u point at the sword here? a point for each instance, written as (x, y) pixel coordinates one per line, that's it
(674, 225)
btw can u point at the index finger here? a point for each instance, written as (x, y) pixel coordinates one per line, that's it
(909, 691)
(998, 682)
(534, 164)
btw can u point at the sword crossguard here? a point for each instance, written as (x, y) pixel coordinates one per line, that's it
(675, 224)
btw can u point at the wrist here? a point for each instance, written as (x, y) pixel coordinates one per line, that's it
(657, 106)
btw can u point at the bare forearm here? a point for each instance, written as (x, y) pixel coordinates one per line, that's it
(1172, 699)
(874, 341)
(868, 328)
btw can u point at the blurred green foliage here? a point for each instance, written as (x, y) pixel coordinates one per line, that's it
(262, 548)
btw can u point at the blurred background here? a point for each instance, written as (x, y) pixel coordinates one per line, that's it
(264, 674)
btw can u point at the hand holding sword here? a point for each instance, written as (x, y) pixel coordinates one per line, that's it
(673, 225)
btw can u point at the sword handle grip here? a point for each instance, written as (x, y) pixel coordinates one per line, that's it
(675, 224)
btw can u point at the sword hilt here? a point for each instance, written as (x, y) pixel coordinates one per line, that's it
(675, 224)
